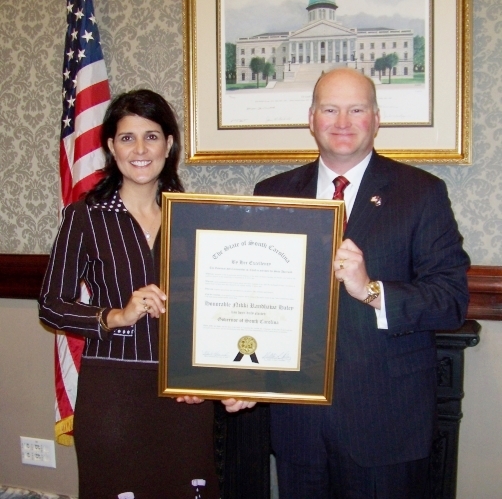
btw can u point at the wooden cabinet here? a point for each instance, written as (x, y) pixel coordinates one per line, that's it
(450, 377)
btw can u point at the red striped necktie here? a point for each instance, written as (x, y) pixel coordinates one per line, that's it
(340, 184)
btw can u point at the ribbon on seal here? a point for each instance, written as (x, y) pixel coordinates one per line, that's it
(247, 345)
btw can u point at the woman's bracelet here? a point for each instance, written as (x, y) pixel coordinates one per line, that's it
(101, 322)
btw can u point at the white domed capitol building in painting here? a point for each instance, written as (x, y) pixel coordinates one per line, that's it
(323, 43)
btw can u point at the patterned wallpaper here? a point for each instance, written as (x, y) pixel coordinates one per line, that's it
(142, 44)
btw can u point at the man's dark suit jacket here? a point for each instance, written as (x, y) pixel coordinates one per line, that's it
(385, 381)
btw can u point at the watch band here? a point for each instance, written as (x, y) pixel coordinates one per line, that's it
(373, 290)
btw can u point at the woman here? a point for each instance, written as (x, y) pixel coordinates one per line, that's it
(127, 439)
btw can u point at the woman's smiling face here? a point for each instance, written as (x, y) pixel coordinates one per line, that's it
(140, 149)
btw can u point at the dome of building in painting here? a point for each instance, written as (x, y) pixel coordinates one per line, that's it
(315, 2)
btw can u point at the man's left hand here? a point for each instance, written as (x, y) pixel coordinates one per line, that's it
(234, 405)
(350, 269)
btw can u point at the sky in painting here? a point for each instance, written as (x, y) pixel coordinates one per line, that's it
(252, 17)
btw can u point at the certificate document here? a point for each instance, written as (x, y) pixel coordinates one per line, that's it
(248, 299)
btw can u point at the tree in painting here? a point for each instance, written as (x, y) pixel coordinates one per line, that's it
(257, 65)
(268, 70)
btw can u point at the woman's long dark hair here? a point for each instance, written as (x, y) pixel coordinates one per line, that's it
(151, 106)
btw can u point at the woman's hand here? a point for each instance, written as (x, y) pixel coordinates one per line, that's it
(234, 405)
(147, 300)
(189, 399)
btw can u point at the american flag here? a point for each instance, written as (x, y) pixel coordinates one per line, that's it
(86, 95)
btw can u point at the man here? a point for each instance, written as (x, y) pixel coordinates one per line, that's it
(403, 274)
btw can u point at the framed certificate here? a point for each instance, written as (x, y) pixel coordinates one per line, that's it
(252, 298)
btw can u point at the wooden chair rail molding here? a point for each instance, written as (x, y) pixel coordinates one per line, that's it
(21, 277)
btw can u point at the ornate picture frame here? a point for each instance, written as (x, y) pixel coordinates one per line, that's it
(447, 139)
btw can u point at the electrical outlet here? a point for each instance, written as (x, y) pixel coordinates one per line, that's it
(38, 452)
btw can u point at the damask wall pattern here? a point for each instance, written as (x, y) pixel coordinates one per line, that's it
(142, 45)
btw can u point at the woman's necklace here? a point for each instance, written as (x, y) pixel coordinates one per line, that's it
(148, 232)
(150, 229)
(150, 216)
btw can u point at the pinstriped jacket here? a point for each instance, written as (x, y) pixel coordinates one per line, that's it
(105, 247)
(385, 381)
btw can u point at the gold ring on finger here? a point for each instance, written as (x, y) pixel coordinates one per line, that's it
(341, 263)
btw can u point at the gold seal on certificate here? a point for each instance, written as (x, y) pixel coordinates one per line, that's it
(247, 345)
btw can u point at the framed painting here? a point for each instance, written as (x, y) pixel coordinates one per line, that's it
(251, 67)
(271, 55)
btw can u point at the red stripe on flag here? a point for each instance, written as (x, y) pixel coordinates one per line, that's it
(86, 184)
(76, 346)
(65, 173)
(87, 142)
(92, 96)
(64, 405)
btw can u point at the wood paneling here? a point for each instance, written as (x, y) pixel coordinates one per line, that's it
(485, 288)
(21, 277)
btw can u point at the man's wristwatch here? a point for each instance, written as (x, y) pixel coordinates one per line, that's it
(373, 290)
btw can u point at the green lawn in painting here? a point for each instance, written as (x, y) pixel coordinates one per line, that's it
(242, 86)
(417, 78)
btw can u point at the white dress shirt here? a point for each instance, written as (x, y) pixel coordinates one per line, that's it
(326, 189)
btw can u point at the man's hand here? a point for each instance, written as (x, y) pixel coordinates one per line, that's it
(350, 269)
(234, 405)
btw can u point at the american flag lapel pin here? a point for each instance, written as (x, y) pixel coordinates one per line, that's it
(376, 200)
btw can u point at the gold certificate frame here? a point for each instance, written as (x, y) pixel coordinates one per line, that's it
(447, 140)
(232, 325)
